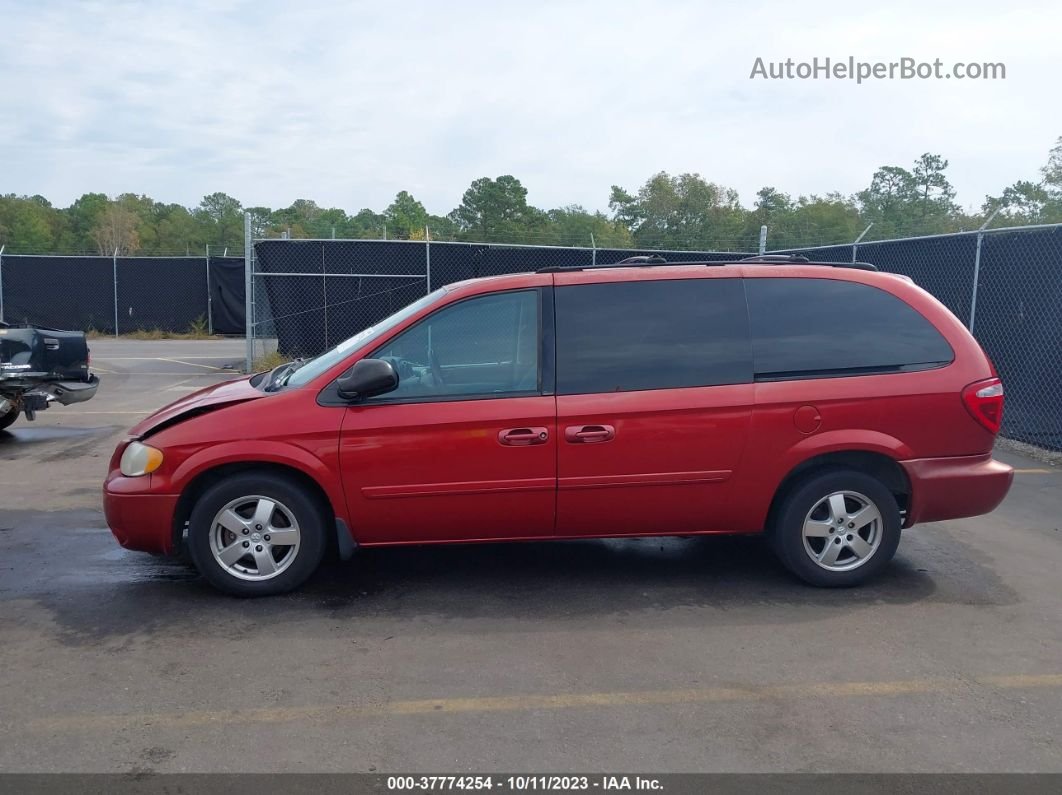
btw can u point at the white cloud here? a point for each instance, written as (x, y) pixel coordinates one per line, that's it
(348, 103)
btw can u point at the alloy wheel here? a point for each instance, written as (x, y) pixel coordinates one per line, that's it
(842, 531)
(255, 538)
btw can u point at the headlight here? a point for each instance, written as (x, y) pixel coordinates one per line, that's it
(140, 459)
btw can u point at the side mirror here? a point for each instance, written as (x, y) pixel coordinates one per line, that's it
(367, 378)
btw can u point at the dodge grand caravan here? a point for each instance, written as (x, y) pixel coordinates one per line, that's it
(825, 406)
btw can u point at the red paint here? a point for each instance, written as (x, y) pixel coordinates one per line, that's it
(676, 461)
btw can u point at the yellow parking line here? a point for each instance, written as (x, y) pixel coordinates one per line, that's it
(819, 690)
(1036, 471)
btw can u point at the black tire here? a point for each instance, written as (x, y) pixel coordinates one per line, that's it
(305, 508)
(787, 533)
(8, 418)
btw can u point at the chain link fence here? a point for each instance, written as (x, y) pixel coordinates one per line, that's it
(123, 295)
(307, 295)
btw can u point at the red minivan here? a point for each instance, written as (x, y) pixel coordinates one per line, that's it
(827, 406)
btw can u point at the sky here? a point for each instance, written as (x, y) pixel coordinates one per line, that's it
(347, 103)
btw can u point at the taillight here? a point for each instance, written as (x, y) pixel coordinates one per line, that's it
(984, 401)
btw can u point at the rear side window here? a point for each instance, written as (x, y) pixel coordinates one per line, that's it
(628, 336)
(809, 328)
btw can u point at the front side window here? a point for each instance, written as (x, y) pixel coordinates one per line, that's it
(484, 346)
(814, 328)
(629, 336)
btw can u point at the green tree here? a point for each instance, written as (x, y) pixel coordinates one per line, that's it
(1052, 172)
(443, 227)
(175, 230)
(772, 209)
(889, 200)
(28, 224)
(575, 226)
(935, 194)
(771, 204)
(260, 221)
(1027, 202)
(220, 220)
(405, 216)
(367, 225)
(497, 209)
(302, 219)
(679, 212)
(82, 217)
(821, 220)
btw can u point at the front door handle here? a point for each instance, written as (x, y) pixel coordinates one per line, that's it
(588, 434)
(522, 437)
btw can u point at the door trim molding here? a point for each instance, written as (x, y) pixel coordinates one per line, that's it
(458, 488)
(644, 479)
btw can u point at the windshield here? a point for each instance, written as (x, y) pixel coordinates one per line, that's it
(314, 367)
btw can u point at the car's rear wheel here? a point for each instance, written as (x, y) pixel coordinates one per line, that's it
(8, 417)
(837, 528)
(256, 534)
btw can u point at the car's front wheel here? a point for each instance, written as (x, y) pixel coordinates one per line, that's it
(839, 527)
(256, 534)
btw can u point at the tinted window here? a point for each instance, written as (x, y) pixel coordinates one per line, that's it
(627, 336)
(826, 327)
(483, 346)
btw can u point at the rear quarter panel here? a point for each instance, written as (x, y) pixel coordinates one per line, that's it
(902, 415)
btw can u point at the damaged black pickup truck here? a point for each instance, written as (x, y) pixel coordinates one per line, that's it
(41, 366)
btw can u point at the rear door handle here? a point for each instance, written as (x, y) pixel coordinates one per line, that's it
(588, 434)
(522, 437)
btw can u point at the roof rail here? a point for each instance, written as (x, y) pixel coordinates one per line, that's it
(776, 258)
(642, 261)
(800, 259)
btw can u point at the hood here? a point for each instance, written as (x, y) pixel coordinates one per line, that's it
(227, 393)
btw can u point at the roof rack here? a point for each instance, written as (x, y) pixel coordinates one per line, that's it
(642, 261)
(800, 259)
(631, 262)
(776, 258)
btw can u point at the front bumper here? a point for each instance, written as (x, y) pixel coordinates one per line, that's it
(955, 487)
(139, 519)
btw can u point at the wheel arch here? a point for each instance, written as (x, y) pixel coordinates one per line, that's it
(206, 478)
(878, 465)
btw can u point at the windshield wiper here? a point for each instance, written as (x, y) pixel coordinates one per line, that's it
(281, 371)
(281, 375)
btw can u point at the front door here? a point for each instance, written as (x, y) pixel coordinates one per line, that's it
(654, 402)
(465, 448)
